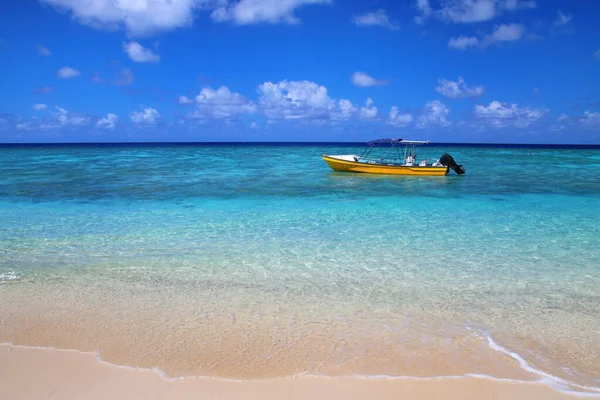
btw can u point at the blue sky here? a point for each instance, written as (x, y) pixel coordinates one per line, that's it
(510, 71)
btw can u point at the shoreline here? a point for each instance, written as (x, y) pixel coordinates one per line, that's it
(245, 347)
(62, 372)
(35, 372)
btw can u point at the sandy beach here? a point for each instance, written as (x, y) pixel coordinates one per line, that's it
(36, 373)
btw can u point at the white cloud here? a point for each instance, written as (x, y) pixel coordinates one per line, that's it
(109, 122)
(301, 100)
(185, 100)
(375, 18)
(97, 78)
(434, 113)
(505, 33)
(65, 118)
(146, 117)
(222, 103)
(361, 79)
(39, 107)
(369, 111)
(458, 90)
(502, 33)
(425, 11)
(254, 125)
(597, 54)
(506, 114)
(27, 125)
(138, 53)
(123, 77)
(67, 72)
(137, 17)
(590, 119)
(563, 19)
(42, 51)
(344, 111)
(470, 11)
(397, 119)
(463, 42)
(245, 12)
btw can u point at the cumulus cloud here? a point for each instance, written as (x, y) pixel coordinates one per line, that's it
(137, 17)
(590, 119)
(108, 122)
(424, 11)
(469, 11)
(139, 53)
(148, 116)
(245, 12)
(398, 119)
(65, 117)
(508, 115)
(28, 125)
(458, 89)
(463, 42)
(123, 77)
(505, 33)
(375, 18)
(42, 51)
(434, 113)
(67, 72)
(344, 110)
(563, 19)
(361, 79)
(502, 33)
(185, 100)
(221, 103)
(369, 111)
(301, 100)
(39, 107)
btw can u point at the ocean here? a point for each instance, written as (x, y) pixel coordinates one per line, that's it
(250, 261)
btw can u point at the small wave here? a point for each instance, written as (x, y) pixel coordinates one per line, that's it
(9, 276)
(559, 384)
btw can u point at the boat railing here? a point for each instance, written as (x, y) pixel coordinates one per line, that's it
(392, 161)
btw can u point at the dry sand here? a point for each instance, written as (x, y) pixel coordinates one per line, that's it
(36, 373)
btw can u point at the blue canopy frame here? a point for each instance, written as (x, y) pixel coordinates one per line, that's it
(409, 149)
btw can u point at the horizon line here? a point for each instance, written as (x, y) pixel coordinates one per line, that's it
(287, 142)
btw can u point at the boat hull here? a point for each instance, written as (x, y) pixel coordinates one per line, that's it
(352, 166)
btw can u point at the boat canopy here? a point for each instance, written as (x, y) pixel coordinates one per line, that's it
(396, 141)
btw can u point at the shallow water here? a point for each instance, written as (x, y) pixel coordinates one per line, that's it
(254, 261)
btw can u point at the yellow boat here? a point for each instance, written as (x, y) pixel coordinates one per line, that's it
(404, 164)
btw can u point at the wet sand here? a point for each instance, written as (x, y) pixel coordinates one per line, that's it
(34, 373)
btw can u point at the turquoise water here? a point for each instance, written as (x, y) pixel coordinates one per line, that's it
(267, 249)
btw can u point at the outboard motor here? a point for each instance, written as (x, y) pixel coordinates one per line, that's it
(448, 161)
